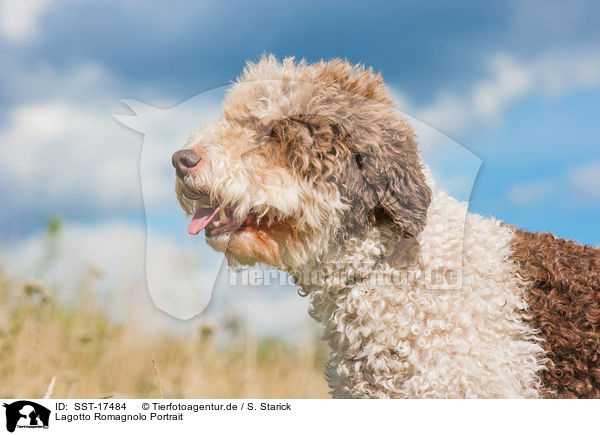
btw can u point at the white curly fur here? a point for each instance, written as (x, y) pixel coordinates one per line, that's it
(414, 341)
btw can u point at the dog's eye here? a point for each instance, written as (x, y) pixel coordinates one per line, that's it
(267, 134)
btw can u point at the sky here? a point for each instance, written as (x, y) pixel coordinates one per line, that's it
(516, 84)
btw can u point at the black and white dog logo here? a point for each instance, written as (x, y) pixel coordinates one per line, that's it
(26, 414)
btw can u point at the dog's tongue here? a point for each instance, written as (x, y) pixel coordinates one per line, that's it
(201, 219)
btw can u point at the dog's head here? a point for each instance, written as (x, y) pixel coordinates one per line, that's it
(304, 157)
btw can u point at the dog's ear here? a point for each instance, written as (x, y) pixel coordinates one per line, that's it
(394, 171)
(385, 179)
(386, 182)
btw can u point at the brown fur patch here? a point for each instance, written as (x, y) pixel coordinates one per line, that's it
(564, 306)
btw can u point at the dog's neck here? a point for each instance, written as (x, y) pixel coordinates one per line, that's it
(379, 256)
(351, 263)
(370, 293)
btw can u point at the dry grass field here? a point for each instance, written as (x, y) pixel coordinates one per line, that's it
(91, 356)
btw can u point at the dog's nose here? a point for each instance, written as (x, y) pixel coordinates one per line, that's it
(184, 160)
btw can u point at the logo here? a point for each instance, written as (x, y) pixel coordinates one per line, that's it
(26, 414)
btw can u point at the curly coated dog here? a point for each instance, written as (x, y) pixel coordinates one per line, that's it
(312, 170)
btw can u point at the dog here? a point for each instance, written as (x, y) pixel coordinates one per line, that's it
(311, 169)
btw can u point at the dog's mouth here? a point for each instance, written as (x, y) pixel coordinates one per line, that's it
(219, 221)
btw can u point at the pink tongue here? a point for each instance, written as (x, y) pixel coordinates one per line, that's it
(201, 219)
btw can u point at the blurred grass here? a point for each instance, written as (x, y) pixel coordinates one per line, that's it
(91, 355)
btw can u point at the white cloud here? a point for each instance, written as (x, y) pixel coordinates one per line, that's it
(579, 183)
(557, 73)
(57, 152)
(532, 192)
(584, 182)
(508, 82)
(553, 74)
(449, 113)
(87, 83)
(63, 153)
(19, 18)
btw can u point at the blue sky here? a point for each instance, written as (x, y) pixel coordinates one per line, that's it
(516, 83)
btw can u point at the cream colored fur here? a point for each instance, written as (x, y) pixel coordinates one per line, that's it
(414, 341)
